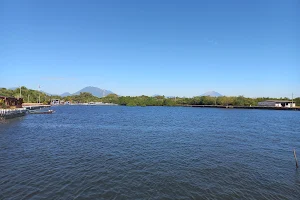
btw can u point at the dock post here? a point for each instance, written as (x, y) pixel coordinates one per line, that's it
(296, 158)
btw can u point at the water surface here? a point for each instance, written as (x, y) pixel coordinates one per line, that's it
(115, 152)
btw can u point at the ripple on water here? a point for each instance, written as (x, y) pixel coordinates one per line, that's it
(150, 153)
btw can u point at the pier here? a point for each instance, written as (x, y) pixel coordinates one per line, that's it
(21, 111)
(34, 106)
(12, 113)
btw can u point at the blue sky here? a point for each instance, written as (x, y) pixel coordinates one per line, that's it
(182, 48)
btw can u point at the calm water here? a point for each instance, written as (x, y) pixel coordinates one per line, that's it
(83, 152)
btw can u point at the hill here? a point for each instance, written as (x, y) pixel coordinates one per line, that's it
(212, 94)
(94, 91)
(65, 94)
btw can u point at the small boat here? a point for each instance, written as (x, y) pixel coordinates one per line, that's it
(41, 111)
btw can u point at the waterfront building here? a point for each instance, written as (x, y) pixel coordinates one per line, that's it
(277, 103)
(55, 102)
(12, 101)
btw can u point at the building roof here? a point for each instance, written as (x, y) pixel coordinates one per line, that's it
(279, 101)
(4, 97)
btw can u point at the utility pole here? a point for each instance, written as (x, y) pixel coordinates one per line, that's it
(20, 91)
(28, 99)
(292, 99)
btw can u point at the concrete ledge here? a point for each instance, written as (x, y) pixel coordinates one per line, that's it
(12, 113)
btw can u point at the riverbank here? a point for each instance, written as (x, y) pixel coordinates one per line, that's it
(196, 106)
(87, 104)
(244, 107)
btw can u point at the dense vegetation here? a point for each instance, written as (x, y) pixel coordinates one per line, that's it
(32, 96)
(28, 95)
(199, 100)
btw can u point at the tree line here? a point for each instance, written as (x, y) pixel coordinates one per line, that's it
(34, 96)
(198, 100)
(28, 95)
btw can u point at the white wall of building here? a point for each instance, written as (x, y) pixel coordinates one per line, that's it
(276, 104)
(291, 105)
(55, 102)
(286, 105)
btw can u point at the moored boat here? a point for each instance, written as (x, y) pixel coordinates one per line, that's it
(41, 111)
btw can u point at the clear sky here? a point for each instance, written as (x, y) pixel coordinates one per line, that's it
(169, 47)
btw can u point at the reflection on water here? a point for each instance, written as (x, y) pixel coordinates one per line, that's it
(150, 152)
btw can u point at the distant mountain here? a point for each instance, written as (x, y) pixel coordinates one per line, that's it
(48, 93)
(212, 94)
(156, 95)
(13, 88)
(94, 91)
(65, 94)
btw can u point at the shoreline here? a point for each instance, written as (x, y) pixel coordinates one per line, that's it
(197, 106)
(243, 107)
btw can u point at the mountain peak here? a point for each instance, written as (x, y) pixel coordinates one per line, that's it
(94, 91)
(66, 94)
(212, 94)
(91, 87)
